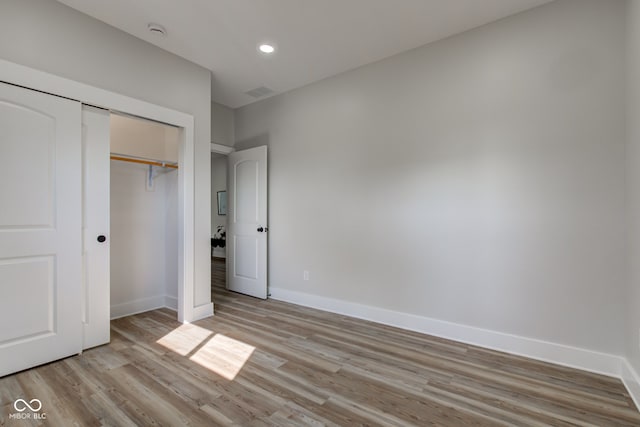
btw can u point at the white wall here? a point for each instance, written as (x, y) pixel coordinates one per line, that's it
(633, 185)
(222, 126)
(51, 37)
(477, 180)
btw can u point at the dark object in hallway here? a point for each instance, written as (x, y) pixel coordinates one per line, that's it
(219, 240)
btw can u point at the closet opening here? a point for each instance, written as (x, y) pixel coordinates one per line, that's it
(144, 215)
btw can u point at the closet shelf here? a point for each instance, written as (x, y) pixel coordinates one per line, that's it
(144, 161)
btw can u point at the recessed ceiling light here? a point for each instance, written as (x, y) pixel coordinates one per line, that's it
(266, 48)
(157, 29)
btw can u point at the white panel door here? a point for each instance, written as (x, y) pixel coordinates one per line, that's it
(96, 171)
(40, 228)
(247, 222)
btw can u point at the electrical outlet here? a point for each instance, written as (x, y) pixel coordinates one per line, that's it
(305, 275)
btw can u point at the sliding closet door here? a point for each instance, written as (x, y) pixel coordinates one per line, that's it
(40, 233)
(95, 226)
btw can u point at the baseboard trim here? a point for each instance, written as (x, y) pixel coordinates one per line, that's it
(202, 311)
(137, 306)
(219, 253)
(631, 381)
(171, 303)
(153, 303)
(573, 357)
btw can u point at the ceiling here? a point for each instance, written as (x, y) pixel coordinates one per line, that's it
(315, 39)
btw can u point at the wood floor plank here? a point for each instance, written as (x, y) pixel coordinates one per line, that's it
(268, 363)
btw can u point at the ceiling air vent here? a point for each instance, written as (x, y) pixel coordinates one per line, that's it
(157, 29)
(259, 92)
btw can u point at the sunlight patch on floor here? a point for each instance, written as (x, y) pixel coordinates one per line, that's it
(185, 338)
(223, 355)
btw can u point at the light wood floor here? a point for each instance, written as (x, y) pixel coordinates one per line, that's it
(259, 363)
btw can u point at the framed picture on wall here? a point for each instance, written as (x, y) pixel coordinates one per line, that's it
(222, 202)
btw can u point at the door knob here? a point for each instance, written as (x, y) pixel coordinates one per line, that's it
(101, 238)
(260, 229)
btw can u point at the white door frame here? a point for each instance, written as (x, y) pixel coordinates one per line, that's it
(39, 80)
(225, 151)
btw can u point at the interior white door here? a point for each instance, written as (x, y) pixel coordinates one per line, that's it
(247, 222)
(95, 226)
(40, 233)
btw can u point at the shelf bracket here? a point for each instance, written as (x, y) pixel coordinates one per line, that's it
(151, 174)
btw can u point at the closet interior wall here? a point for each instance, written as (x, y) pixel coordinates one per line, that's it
(144, 219)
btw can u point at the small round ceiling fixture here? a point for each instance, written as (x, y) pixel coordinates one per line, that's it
(266, 48)
(157, 29)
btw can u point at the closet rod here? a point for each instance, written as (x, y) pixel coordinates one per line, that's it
(144, 161)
